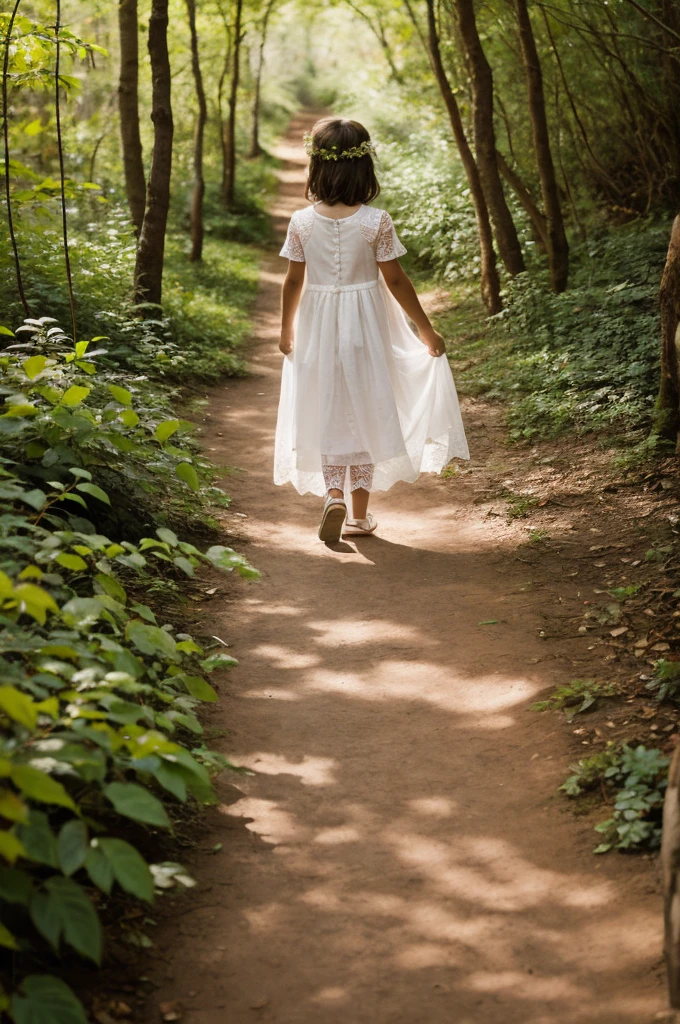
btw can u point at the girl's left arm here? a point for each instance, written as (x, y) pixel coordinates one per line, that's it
(290, 298)
(399, 283)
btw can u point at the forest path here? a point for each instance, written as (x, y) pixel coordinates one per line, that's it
(397, 858)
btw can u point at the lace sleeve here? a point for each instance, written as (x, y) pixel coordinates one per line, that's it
(292, 248)
(387, 244)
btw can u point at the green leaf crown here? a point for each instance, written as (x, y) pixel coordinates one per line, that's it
(364, 149)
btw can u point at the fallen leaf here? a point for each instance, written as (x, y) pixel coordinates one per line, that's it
(619, 631)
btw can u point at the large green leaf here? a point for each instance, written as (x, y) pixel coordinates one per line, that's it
(82, 611)
(199, 688)
(70, 912)
(129, 868)
(74, 395)
(45, 999)
(34, 365)
(121, 395)
(99, 868)
(38, 839)
(72, 846)
(18, 706)
(186, 472)
(95, 491)
(135, 802)
(165, 430)
(150, 639)
(39, 786)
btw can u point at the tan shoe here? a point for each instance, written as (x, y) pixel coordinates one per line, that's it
(334, 515)
(368, 525)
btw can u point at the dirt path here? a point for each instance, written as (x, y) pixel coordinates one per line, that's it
(398, 858)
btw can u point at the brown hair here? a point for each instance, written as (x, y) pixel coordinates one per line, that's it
(348, 181)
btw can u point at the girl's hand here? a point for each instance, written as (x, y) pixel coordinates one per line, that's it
(436, 345)
(286, 344)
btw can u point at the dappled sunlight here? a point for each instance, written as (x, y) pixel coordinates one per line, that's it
(311, 771)
(269, 821)
(283, 657)
(339, 633)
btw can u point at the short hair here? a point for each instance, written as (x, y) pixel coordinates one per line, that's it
(349, 181)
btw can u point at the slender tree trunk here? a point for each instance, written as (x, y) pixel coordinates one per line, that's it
(229, 178)
(485, 139)
(667, 418)
(255, 147)
(670, 866)
(558, 247)
(199, 132)
(537, 217)
(489, 272)
(151, 245)
(128, 105)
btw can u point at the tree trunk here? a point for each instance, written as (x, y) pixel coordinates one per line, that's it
(128, 105)
(229, 141)
(538, 221)
(255, 147)
(485, 139)
(558, 247)
(151, 245)
(670, 866)
(489, 272)
(667, 418)
(199, 132)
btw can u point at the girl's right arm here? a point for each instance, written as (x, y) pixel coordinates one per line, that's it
(290, 298)
(399, 283)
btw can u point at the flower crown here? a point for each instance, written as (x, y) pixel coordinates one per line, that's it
(363, 149)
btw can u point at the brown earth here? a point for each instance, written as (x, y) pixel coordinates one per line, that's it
(398, 855)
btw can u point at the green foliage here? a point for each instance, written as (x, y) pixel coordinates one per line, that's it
(575, 697)
(584, 360)
(666, 680)
(99, 699)
(637, 778)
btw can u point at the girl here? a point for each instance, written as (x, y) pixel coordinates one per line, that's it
(364, 401)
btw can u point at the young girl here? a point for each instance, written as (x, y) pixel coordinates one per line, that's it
(364, 401)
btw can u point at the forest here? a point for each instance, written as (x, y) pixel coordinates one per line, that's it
(529, 154)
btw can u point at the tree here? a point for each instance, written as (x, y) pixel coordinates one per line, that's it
(199, 133)
(229, 128)
(489, 272)
(151, 245)
(255, 147)
(558, 247)
(667, 421)
(128, 106)
(485, 139)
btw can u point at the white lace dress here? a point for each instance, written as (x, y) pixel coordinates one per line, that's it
(359, 388)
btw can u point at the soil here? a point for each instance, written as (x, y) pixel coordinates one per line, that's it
(399, 854)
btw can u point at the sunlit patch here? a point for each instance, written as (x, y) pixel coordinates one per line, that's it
(264, 918)
(311, 771)
(271, 694)
(324, 899)
(331, 994)
(284, 657)
(276, 609)
(528, 986)
(271, 823)
(338, 633)
(423, 954)
(335, 836)
(434, 806)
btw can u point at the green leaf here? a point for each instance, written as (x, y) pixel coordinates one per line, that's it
(73, 562)
(74, 395)
(37, 785)
(82, 611)
(165, 430)
(217, 661)
(72, 846)
(121, 395)
(12, 808)
(38, 840)
(33, 366)
(99, 869)
(135, 802)
(129, 417)
(199, 688)
(166, 535)
(95, 491)
(129, 868)
(6, 332)
(186, 472)
(35, 498)
(46, 1000)
(79, 921)
(10, 846)
(150, 639)
(111, 586)
(18, 706)
(7, 939)
(184, 564)
(35, 601)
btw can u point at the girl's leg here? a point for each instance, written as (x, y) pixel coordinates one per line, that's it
(361, 479)
(334, 478)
